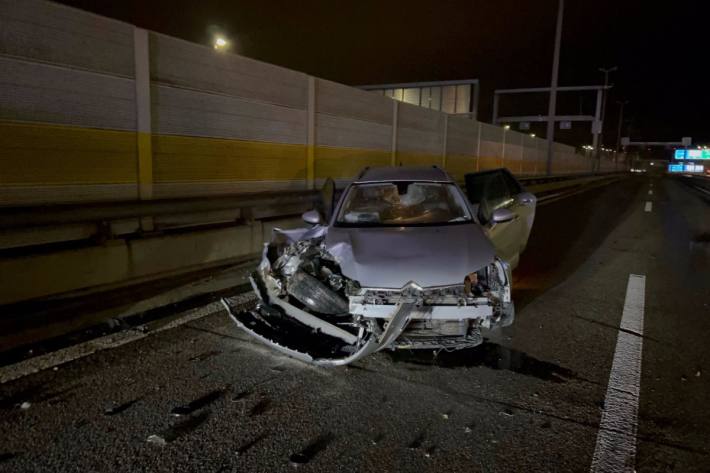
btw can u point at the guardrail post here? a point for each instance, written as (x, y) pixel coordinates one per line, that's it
(143, 120)
(395, 124)
(478, 147)
(444, 145)
(311, 137)
(537, 157)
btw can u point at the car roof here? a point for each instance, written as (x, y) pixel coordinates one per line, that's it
(403, 173)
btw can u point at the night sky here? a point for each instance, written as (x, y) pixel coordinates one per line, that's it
(660, 48)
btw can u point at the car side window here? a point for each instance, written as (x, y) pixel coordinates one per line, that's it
(514, 187)
(489, 191)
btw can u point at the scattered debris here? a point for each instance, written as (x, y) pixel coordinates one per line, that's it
(467, 430)
(507, 412)
(157, 440)
(697, 374)
(25, 405)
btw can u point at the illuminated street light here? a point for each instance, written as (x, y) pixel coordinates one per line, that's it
(506, 127)
(220, 43)
(532, 135)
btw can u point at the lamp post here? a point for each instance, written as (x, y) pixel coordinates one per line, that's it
(618, 130)
(552, 106)
(606, 72)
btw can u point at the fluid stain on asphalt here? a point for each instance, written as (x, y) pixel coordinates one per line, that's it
(308, 453)
(28, 394)
(490, 355)
(417, 442)
(261, 407)
(198, 403)
(7, 456)
(34, 395)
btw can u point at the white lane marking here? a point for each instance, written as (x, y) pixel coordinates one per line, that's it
(616, 442)
(650, 192)
(649, 206)
(75, 352)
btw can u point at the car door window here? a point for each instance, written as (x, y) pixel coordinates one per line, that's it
(489, 191)
(514, 187)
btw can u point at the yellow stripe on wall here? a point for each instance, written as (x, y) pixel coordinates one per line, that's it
(344, 163)
(33, 154)
(459, 164)
(408, 158)
(186, 158)
(37, 157)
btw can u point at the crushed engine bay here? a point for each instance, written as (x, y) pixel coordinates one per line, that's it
(310, 310)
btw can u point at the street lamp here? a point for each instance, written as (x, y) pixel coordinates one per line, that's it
(606, 72)
(220, 43)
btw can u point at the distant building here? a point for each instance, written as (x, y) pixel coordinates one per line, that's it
(458, 97)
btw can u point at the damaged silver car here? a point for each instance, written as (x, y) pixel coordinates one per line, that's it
(405, 260)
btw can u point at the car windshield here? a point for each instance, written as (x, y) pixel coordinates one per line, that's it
(403, 204)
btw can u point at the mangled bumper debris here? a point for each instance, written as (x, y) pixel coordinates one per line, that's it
(310, 310)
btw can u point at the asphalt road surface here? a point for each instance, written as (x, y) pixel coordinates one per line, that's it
(613, 300)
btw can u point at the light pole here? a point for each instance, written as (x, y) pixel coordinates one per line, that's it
(606, 72)
(552, 106)
(618, 130)
(505, 132)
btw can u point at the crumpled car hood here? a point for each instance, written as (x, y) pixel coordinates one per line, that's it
(391, 257)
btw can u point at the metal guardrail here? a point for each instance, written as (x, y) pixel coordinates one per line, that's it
(83, 213)
(699, 182)
(49, 224)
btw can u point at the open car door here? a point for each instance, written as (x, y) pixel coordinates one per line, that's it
(489, 191)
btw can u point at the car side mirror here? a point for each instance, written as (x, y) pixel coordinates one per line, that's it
(526, 198)
(502, 216)
(312, 216)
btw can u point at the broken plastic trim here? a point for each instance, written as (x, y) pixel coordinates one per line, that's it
(372, 342)
(308, 319)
